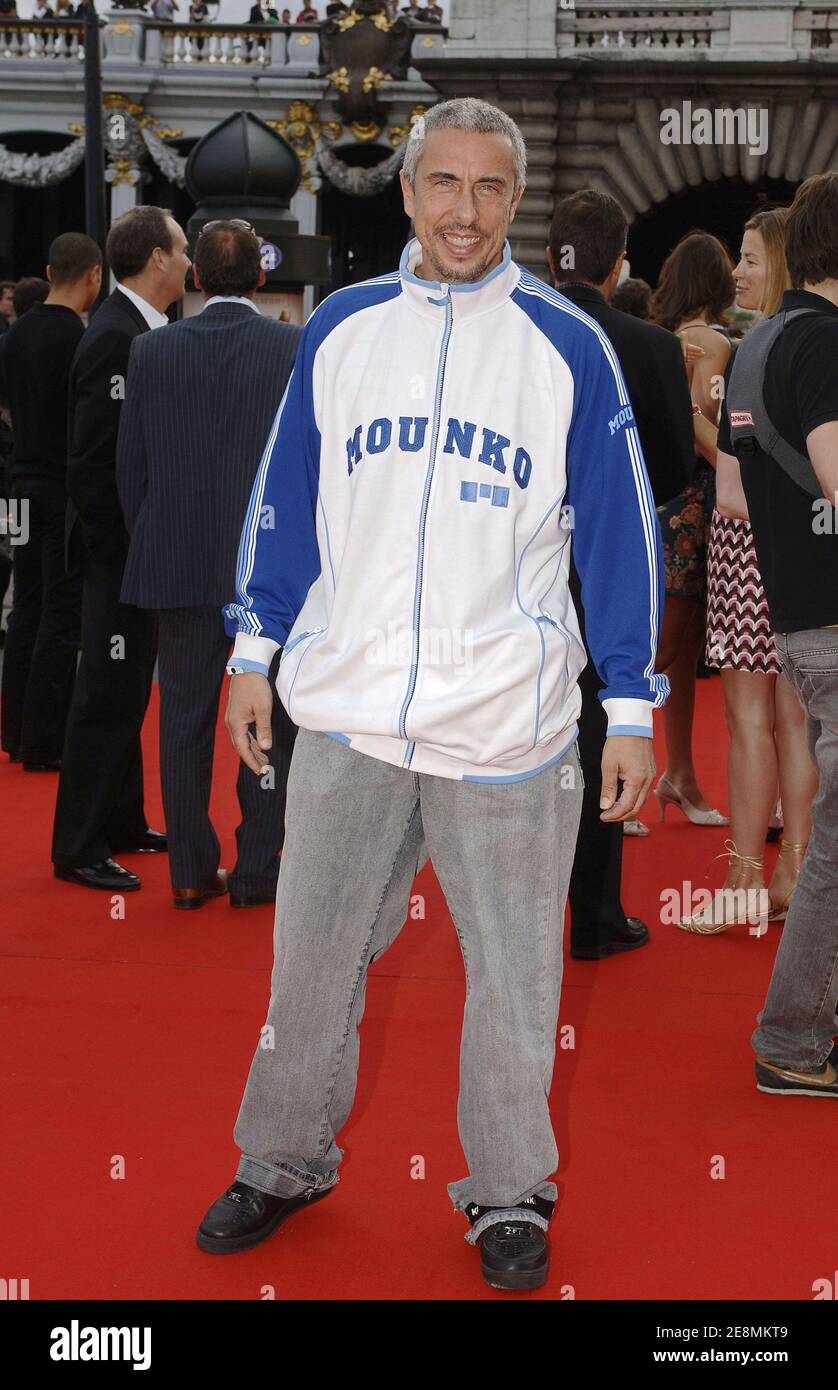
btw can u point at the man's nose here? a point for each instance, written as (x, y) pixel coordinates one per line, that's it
(464, 208)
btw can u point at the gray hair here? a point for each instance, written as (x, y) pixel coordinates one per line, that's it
(465, 113)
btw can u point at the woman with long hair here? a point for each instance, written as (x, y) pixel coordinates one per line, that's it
(695, 289)
(765, 719)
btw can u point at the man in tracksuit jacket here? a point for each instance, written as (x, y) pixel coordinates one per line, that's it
(449, 432)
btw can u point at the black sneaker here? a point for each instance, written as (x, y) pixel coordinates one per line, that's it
(243, 1217)
(514, 1253)
(782, 1081)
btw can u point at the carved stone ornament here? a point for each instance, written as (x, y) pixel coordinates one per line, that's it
(128, 134)
(302, 128)
(361, 183)
(40, 170)
(361, 51)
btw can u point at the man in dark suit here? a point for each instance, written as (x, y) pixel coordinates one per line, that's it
(586, 251)
(201, 400)
(43, 639)
(99, 811)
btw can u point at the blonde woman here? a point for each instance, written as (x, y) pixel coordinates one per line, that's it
(764, 716)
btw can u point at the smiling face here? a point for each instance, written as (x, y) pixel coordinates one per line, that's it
(750, 274)
(462, 203)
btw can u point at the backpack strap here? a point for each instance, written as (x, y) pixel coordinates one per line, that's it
(750, 423)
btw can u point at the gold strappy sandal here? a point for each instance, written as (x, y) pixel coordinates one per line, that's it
(779, 911)
(699, 922)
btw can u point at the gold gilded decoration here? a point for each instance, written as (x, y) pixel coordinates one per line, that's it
(302, 129)
(365, 130)
(428, 42)
(339, 79)
(124, 171)
(399, 133)
(347, 21)
(115, 101)
(381, 22)
(75, 127)
(374, 79)
(303, 39)
(121, 27)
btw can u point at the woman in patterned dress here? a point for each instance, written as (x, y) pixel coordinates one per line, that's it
(764, 716)
(694, 291)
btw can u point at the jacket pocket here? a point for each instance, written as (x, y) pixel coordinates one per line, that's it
(289, 670)
(554, 676)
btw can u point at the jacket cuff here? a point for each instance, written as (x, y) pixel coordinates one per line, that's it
(257, 649)
(632, 717)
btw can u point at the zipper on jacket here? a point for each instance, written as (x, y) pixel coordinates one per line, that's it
(417, 598)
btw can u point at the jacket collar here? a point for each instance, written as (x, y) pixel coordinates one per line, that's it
(580, 293)
(120, 301)
(429, 297)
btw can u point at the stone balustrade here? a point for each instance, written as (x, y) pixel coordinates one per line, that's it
(710, 29)
(133, 37)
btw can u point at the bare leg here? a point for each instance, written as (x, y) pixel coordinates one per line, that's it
(798, 785)
(682, 640)
(751, 768)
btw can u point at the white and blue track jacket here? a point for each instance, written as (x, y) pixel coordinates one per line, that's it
(438, 451)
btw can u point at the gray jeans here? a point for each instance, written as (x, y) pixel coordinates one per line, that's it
(356, 830)
(797, 1024)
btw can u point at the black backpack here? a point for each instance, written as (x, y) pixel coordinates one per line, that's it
(749, 420)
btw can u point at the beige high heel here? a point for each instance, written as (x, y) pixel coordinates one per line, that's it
(668, 794)
(779, 911)
(699, 923)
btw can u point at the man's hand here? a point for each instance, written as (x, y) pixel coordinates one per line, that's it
(250, 702)
(631, 759)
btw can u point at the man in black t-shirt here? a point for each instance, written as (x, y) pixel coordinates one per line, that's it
(797, 552)
(43, 633)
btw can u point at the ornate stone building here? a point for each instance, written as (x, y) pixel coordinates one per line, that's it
(594, 87)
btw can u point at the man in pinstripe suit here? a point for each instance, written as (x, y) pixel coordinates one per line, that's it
(199, 405)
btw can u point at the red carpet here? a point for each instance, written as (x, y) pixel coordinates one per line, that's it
(133, 1038)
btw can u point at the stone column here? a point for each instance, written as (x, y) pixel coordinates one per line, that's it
(123, 39)
(303, 206)
(124, 179)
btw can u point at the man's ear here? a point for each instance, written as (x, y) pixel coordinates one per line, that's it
(262, 277)
(196, 277)
(408, 195)
(49, 273)
(516, 200)
(551, 263)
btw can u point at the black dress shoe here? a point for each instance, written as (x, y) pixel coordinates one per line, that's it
(41, 767)
(109, 875)
(244, 1217)
(152, 842)
(252, 899)
(634, 934)
(514, 1254)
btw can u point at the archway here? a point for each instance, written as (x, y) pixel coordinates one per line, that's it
(31, 218)
(368, 234)
(722, 208)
